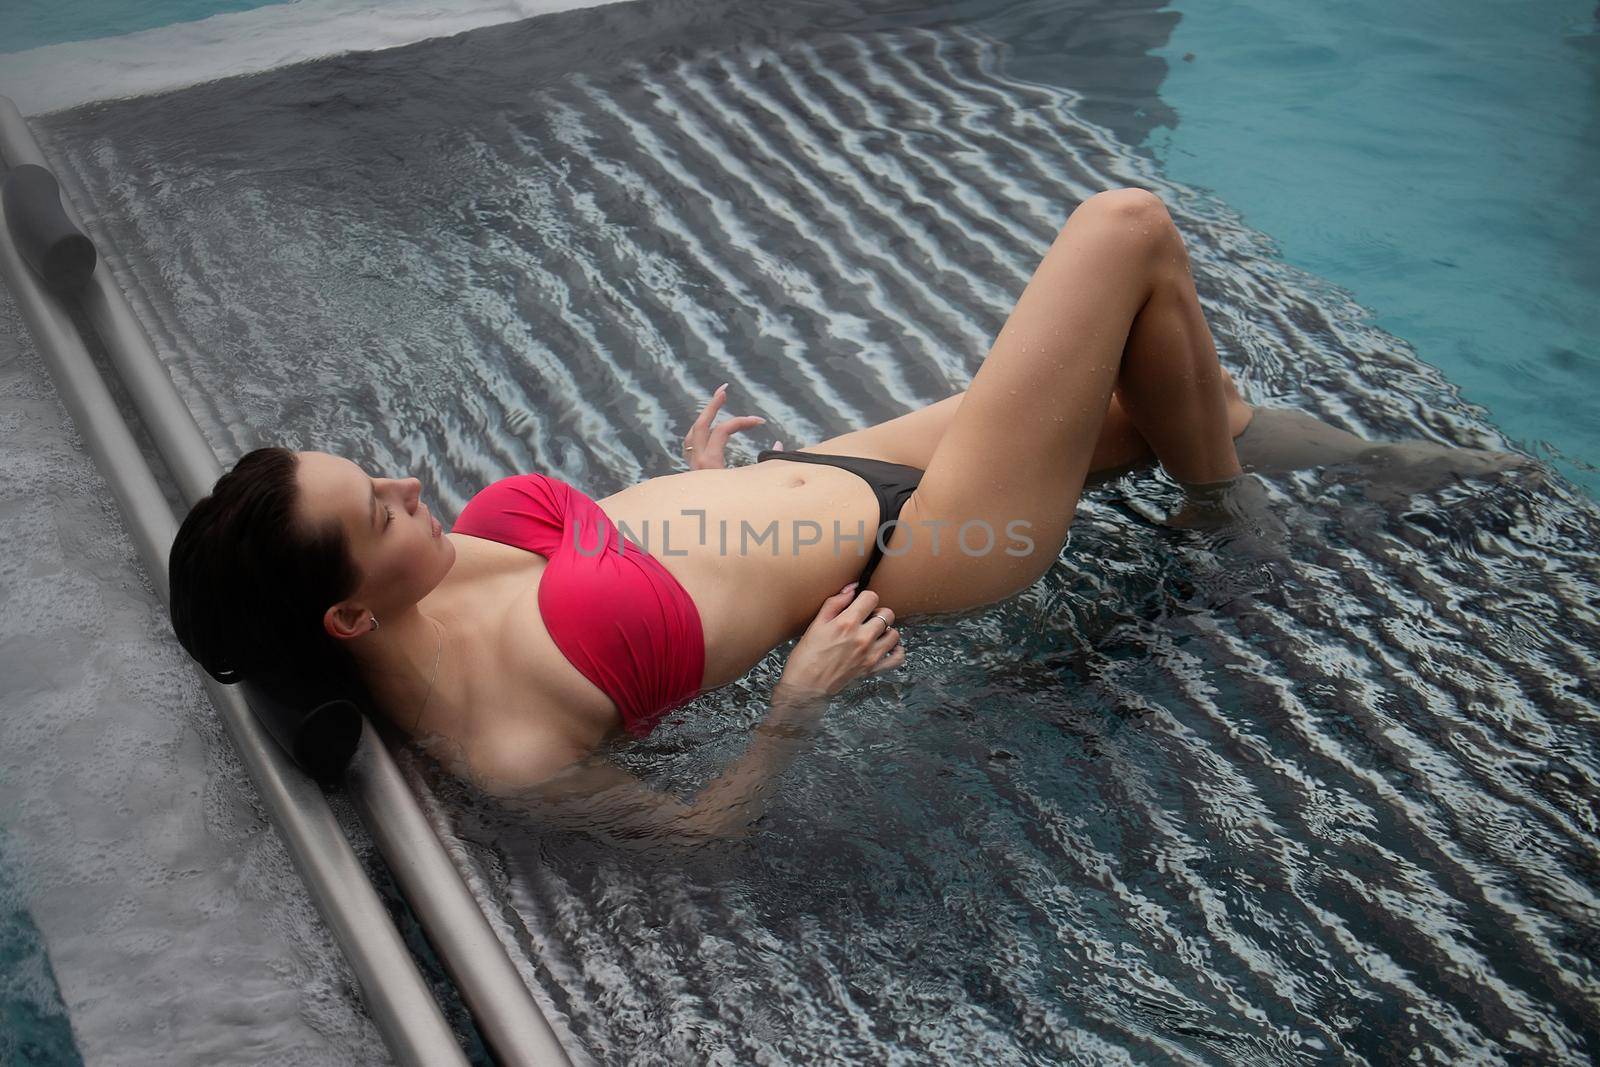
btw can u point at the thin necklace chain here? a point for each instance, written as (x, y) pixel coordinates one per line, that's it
(431, 678)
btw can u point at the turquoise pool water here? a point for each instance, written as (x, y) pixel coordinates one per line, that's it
(28, 24)
(1440, 160)
(33, 1021)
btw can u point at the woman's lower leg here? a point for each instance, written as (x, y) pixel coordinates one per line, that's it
(1170, 382)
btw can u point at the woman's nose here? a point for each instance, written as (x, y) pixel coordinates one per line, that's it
(410, 491)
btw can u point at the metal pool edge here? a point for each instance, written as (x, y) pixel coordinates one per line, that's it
(393, 988)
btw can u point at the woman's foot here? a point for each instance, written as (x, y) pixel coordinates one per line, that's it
(1279, 439)
(1236, 512)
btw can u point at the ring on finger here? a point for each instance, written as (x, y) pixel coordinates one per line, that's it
(883, 620)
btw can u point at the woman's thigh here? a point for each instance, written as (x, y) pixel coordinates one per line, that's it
(912, 438)
(1003, 480)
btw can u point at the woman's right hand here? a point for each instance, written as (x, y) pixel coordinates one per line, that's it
(852, 636)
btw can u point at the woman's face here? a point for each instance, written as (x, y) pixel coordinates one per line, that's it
(401, 551)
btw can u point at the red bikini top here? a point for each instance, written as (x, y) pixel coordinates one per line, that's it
(613, 610)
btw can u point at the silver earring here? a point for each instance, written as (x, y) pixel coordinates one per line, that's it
(374, 622)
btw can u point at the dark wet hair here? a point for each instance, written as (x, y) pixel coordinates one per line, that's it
(250, 581)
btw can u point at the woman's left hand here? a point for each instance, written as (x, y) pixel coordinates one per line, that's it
(703, 444)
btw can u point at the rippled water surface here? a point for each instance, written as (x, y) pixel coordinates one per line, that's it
(1171, 804)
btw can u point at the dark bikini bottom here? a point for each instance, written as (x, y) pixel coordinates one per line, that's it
(891, 483)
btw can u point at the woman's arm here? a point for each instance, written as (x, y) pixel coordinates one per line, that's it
(850, 637)
(598, 796)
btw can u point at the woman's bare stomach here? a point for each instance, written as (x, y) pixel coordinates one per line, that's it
(754, 546)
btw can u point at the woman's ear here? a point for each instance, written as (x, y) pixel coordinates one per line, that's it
(345, 621)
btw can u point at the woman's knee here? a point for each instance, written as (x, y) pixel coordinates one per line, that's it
(1130, 205)
(1136, 217)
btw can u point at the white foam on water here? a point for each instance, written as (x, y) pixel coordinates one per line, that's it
(176, 928)
(59, 76)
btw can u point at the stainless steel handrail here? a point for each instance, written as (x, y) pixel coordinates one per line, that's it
(506, 1013)
(392, 987)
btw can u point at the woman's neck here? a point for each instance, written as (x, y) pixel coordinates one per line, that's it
(406, 662)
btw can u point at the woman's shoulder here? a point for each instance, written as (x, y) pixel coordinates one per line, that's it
(506, 759)
(528, 760)
(503, 717)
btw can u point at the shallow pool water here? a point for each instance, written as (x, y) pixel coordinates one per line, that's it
(1175, 803)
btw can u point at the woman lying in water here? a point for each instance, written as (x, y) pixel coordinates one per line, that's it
(546, 623)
